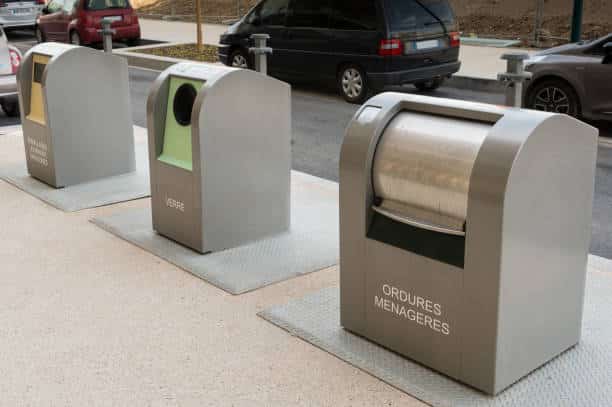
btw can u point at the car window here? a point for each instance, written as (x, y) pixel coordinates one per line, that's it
(97, 5)
(411, 15)
(598, 49)
(69, 5)
(309, 13)
(273, 12)
(55, 5)
(354, 15)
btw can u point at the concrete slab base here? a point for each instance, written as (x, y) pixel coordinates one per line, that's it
(577, 377)
(310, 245)
(106, 191)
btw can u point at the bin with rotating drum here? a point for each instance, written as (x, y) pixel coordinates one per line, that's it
(464, 234)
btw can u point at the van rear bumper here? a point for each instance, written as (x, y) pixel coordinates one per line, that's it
(16, 24)
(91, 35)
(381, 80)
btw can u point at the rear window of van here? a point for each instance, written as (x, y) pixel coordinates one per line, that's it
(97, 5)
(418, 15)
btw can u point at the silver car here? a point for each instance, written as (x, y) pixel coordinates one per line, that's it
(19, 13)
(574, 79)
(10, 59)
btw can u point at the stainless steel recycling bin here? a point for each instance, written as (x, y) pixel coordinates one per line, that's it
(219, 155)
(76, 114)
(464, 234)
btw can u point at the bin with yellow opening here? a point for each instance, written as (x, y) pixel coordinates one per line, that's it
(76, 115)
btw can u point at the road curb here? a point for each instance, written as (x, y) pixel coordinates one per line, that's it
(158, 63)
(475, 84)
(605, 143)
(147, 61)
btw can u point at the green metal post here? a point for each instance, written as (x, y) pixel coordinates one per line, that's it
(577, 21)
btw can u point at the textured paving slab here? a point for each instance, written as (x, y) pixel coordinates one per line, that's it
(579, 377)
(106, 191)
(310, 245)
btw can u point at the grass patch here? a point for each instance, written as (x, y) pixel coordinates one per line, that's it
(185, 51)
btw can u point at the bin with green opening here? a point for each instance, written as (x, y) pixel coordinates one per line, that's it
(220, 155)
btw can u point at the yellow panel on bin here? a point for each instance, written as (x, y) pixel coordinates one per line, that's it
(37, 107)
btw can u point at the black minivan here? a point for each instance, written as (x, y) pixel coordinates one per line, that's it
(360, 45)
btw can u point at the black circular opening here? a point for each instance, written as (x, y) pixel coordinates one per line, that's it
(183, 103)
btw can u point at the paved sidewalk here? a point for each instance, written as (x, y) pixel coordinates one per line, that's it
(87, 319)
(178, 31)
(484, 62)
(477, 62)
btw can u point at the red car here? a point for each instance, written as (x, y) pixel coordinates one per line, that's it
(78, 21)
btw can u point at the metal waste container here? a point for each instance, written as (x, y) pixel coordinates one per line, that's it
(464, 233)
(76, 114)
(220, 155)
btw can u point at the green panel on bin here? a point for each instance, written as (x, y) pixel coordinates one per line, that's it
(177, 137)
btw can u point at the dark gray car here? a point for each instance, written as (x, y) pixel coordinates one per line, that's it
(358, 45)
(575, 79)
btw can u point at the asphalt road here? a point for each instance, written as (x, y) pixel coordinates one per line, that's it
(319, 121)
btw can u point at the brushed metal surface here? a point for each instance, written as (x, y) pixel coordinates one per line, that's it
(87, 132)
(238, 191)
(422, 168)
(517, 302)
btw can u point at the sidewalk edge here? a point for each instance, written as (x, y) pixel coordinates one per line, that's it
(475, 83)
(159, 63)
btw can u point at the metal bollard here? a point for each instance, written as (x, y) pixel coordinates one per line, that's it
(107, 35)
(514, 77)
(261, 51)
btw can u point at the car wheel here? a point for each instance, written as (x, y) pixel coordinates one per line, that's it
(429, 85)
(75, 38)
(352, 83)
(555, 96)
(40, 37)
(10, 107)
(239, 59)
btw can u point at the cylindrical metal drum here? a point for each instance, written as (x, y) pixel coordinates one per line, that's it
(422, 170)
